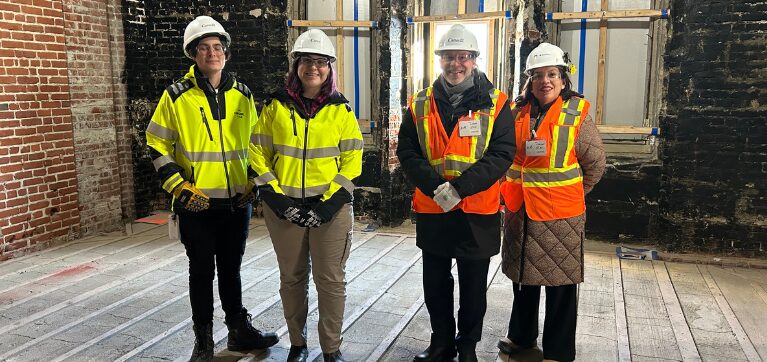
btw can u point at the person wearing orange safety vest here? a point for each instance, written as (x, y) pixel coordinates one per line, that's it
(199, 140)
(559, 158)
(455, 143)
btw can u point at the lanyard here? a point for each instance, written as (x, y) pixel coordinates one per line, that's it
(538, 119)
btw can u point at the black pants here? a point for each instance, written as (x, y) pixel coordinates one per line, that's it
(438, 294)
(559, 322)
(214, 240)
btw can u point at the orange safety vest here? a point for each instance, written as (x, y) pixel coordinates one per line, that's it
(451, 156)
(551, 186)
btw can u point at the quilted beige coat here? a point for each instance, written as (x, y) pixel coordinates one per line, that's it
(553, 250)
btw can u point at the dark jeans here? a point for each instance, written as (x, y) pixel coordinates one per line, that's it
(438, 294)
(559, 322)
(214, 241)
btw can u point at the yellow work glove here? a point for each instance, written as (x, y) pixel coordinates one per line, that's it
(249, 196)
(190, 197)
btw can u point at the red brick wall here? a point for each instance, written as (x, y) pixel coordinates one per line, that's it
(38, 182)
(65, 153)
(86, 28)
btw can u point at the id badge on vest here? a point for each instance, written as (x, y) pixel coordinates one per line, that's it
(469, 128)
(535, 147)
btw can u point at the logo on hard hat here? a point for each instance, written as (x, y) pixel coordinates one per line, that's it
(314, 40)
(454, 40)
(206, 25)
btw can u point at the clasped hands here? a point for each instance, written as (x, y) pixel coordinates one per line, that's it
(302, 217)
(446, 196)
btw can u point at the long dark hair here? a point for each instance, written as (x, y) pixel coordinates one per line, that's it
(296, 89)
(526, 96)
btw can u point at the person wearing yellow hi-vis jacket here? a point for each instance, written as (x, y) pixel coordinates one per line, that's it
(199, 139)
(308, 149)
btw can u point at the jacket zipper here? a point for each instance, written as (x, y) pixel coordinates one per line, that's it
(205, 120)
(223, 151)
(303, 164)
(293, 117)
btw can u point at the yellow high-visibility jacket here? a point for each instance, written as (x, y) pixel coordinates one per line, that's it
(310, 159)
(202, 135)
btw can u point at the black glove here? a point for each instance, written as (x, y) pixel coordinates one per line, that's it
(311, 220)
(249, 196)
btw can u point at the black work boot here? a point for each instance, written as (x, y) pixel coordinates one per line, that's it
(203, 343)
(333, 357)
(298, 353)
(244, 337)
(436, 353)
(467, 352)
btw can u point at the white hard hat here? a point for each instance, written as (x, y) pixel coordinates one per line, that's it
(201, 26)
(458, 38)
(314, 41)
(545, 55)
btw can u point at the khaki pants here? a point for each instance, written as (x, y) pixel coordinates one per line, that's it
(324, 251)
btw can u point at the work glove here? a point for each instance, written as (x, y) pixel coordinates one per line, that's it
(311, 219)
(295, 215)
(190, 197)
(249, 196)
(446, 196)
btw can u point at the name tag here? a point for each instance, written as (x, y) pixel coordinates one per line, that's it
(469, 128)
(535, 147)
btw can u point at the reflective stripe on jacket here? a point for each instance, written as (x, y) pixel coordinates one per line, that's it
(450, 156)
(304, 158)
(208, 152)
(550, 186)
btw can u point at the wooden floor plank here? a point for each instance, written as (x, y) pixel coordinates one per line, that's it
(684, 340)
(737, 299)
(710, 330)
(649, 329)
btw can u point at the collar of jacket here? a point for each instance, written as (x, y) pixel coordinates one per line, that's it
(199, 80)
(283, 96)
(474, 98)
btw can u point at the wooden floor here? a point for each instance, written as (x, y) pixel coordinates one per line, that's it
(116, 298)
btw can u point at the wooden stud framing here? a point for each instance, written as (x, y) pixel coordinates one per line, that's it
(334, 23)
(603, 15)
(601, 65)
(606, 14)
(459, 17)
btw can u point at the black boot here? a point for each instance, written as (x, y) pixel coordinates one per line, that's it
(298, 354)
(436, 353)
(203, 343)
(467, 352)
(244, 337)
(333, 357)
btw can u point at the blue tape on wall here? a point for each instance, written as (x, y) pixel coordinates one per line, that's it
(290, 22)
(664, 13)
(550, 16)
(508, 14)
(356, 63)
(410, 20)
(582, 51)
(655, 131)
(481, 6)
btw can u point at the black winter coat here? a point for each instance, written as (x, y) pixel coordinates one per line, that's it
(457, 234)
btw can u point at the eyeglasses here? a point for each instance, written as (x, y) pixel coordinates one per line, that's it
(317, 62)
(460, 58)
(539, 77)
(216, 48)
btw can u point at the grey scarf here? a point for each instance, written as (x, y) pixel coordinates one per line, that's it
(455, 92)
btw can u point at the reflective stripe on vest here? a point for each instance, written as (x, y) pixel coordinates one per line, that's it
(551, 186)
(452, 165)
(456, 153)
